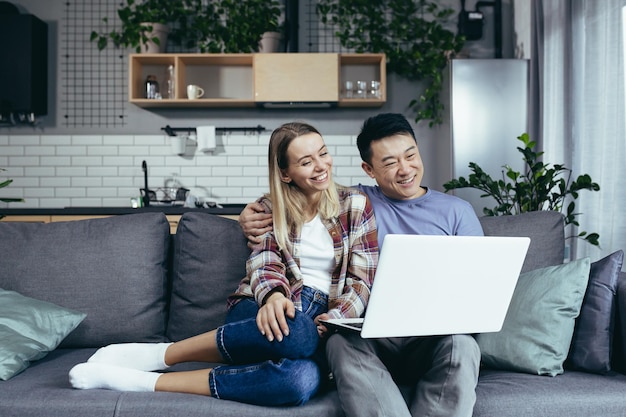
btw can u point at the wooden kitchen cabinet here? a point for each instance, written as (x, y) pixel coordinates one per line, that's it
(248, 80)
(296, 77)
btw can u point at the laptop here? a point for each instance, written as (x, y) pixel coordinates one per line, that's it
(440, 285)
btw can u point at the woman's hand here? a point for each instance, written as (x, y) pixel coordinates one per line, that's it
(254, 222)
(321, 328)
(271, 318)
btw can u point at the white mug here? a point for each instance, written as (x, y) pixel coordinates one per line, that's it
(194, 91)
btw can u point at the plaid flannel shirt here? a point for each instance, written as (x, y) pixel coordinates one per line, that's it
(355, 244)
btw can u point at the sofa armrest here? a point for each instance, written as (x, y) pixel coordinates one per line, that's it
(619, 341)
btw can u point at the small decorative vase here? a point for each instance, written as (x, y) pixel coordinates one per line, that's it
(160, 31)
(270, 42)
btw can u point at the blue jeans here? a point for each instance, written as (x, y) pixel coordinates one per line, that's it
(263, 372)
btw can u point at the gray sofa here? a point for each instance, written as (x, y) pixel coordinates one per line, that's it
(138, 283)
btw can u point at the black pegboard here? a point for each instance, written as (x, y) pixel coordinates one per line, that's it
(93, 83)
(319, 37)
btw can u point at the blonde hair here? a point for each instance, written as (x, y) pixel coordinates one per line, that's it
(288, 202)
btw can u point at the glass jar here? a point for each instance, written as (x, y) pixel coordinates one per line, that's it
(152, 87)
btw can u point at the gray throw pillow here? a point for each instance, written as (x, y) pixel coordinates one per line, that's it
(210, 254)
(545, 228)
(113, 269)
(538, 328)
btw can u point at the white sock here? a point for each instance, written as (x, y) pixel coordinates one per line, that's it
(139, 356)
(100, 375)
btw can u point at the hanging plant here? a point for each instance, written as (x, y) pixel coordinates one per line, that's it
(410, 33)
(134, 15)
(233, 26)
(540, 187)
(217, 26)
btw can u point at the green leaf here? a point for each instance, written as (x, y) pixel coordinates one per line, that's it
(541, 187)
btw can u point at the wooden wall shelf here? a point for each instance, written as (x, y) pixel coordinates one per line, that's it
(249, 80)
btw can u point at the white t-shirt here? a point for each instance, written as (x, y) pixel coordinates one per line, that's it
(317, 258)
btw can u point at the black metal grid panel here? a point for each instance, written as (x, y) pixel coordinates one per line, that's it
(93, 82)
(319, 37)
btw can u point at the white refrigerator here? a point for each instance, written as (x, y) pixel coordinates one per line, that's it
(488, 111)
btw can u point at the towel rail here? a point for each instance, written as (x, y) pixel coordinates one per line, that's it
(171, 131)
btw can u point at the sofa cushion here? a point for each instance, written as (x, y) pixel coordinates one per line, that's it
(539, 324)
(210, 254)
(113, 269)
(593, 335)
(29, 329)
(573, 394)
(544, 228)
(44, 390)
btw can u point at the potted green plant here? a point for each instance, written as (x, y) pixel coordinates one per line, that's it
(146, 24)
(8, 199)
(235, 26)
(413, 36)
(540, 187)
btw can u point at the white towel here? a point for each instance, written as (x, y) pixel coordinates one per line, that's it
(206, 138)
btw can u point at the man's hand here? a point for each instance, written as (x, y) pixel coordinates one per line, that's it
(254, 222)
(271, 318)
(321, 327)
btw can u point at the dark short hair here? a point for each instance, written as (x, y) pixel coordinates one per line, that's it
(379, 127)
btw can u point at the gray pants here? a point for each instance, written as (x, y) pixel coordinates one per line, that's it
(441, 371)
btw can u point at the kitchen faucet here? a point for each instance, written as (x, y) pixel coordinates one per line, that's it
(146, 191)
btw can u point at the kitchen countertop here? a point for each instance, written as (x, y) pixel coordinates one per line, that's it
(228, 209)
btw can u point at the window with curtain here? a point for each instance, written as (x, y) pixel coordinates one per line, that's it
(580, 108)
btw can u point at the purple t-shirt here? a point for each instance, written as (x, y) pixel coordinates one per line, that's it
(434, 213)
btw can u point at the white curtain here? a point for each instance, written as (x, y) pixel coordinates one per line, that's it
(581, 97)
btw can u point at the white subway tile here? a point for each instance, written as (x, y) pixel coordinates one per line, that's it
(56, 140)
(38, 172)
(88, 161)
(255, 171)
(151, 140)
(55, 182)
(230, 171)
(242, 181)
(25, 182)
(255, 150)
(70, 192)
(89, 140)
(75, 150)
(242, 160)
(211, 182)
(14, 150)
(121, 140)
(117, 160)
(232, 150)
(38, 192)
(72, 171)
(102, 192)
(39, 150)
(87, 181)
(23, 161)
(101, 171)
(85, 202)
(24, 140)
